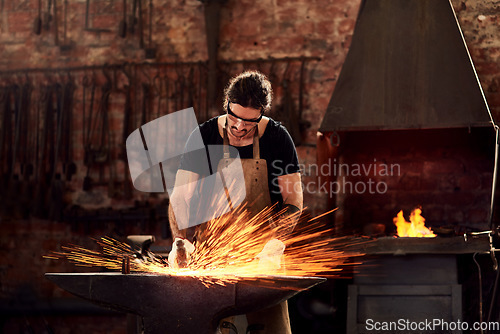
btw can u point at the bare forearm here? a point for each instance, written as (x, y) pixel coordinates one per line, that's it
(286, 221)
(174, 227)
(291, 191)
(178, 212)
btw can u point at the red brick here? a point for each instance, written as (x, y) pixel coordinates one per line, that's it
(409, 182)
(20, 21)
(346, 44)
(478, 215)
(442, 167)
(304, 27)
(434, 215)
(346, 26)
(469, 182)
(325, 28)
(104, 21)
(284, 3)
(455, 216)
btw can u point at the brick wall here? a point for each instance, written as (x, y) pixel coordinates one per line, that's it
(480, 21)
(249, 31)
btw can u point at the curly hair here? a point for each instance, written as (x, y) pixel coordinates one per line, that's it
(249, 89)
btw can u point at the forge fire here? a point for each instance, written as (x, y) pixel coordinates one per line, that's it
(415, 227)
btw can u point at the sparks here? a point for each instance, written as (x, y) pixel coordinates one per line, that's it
(229, 249)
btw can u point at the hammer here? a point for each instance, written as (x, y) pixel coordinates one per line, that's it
(142, 242)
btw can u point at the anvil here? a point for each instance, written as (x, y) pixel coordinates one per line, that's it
(180, 304)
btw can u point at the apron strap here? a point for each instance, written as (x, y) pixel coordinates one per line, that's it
(256, 148)
(225, 142)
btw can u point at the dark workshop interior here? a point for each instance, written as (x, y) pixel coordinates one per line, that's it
(392, 105)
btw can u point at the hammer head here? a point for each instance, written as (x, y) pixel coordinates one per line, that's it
(143, 242)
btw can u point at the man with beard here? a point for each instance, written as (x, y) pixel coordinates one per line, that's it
(271, 176)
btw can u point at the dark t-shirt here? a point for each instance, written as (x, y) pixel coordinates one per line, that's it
(276, 147)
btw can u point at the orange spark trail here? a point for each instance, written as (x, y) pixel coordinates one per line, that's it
(229, 248)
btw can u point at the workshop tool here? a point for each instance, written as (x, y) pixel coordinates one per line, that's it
(106, 142)
(16, 113)
(146, 103)
(87, 9)
(40, 176)
(132, 19)
(69, 166)
(65, 46)
(122, 27)
(181, 304)
(47, 16)
(37, 26)
(212, 11)
(88, 131)
(273, 76)
(167, 93)
(25, 150)
(126, 130)
(32, 142)
(147, 106)
(86, 84)
(5, 114)
(200, 87)
(150, 51)
(125, 91)
(303, 123)
(301, 87)
(141, 24)
(57, 186)
(288, 108)
(97, 154)
(180, 88)
(191, 88)
(141, 245)
(158, 87)
(56, 25)
(18, 200)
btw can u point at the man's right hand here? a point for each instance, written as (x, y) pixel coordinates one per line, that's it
(180, 255)
(270, 256)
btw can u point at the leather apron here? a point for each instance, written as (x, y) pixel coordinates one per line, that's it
(255, 175)
(275, 319)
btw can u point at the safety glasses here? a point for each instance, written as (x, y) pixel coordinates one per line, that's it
(245, 121)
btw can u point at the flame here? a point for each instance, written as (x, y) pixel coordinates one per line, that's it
(229, 250)
(415, 228)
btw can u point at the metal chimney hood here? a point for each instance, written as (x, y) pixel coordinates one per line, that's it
(407, 68)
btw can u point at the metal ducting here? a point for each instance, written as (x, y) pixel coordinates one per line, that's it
(408, 67)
